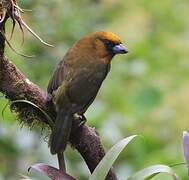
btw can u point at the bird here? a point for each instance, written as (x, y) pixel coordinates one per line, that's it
(77, 79)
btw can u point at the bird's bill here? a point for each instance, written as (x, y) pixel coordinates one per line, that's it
(120, 49)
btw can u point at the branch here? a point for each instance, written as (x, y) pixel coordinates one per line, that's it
(16, 86)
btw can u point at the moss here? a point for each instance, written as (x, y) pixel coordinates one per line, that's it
(29, 116)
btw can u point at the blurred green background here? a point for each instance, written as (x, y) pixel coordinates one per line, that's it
(146, 92)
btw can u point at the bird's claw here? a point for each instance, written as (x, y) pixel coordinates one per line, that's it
(83, 121)
(82, 118)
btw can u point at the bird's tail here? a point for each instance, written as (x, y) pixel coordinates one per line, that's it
(61, 132)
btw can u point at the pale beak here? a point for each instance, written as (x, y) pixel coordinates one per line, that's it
(120, 49)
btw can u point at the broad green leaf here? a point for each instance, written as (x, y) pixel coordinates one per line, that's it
(152, 171)
(106, 163)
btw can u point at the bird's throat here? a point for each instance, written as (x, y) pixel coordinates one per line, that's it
(106, 58)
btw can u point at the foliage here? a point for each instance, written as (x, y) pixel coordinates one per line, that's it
(107, 162)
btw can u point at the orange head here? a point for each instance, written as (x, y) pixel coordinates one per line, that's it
(103, 45)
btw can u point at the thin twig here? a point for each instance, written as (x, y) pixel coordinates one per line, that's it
(13, 26)
(20, 25)
(34, 34)
(13, 49)
(3, 16)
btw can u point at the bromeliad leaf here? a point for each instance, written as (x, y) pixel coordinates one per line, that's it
(186, 147)
(24, 177)
(152, 171)
(51, 172)
(106, 163)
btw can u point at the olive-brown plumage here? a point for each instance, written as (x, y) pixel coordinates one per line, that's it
(77, 79)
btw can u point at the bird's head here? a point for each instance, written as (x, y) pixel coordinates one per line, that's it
(109, 42)
(104, 45)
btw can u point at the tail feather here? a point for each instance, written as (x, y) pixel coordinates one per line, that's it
(61, 132)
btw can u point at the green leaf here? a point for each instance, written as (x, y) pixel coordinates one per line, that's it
(106, 163)
(152, 171)
(3, 111)
(177, 164)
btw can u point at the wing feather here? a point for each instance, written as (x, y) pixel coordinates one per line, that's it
(57, 78)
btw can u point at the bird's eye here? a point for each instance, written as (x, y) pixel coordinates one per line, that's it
(108, 43)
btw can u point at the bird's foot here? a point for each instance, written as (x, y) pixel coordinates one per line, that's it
(82, 118)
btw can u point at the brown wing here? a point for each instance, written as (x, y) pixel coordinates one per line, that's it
(57, 78)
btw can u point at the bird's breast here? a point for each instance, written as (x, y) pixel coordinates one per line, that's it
(85, 84)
